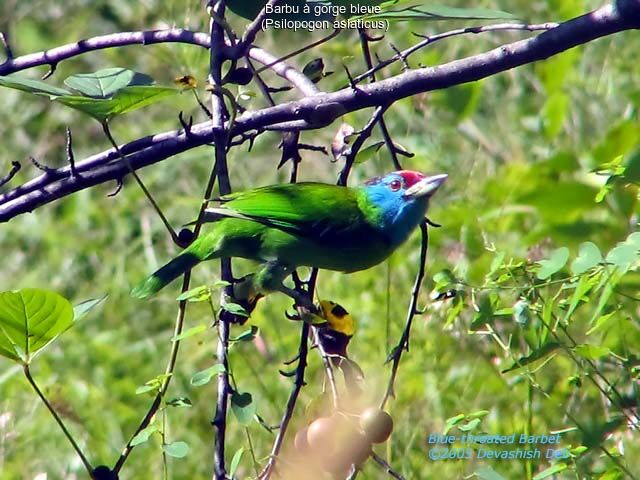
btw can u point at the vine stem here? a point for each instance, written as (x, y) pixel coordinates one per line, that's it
(76, 447)
(403, 344)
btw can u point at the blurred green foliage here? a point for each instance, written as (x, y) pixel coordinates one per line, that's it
(539, 158)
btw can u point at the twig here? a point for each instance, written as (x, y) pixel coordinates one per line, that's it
(252, 30)
(363, 135)
(15, 168)
(70, 156)
(220, 137)
(427, 40)
(385, 465)
(366, 52)
(310, 46)
(125, 160)
(76, 447)
(100, 168)
(149, 37)
(403, 344)
(4, 40)
(291, 402)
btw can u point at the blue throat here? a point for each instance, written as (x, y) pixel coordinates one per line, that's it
(397, 216)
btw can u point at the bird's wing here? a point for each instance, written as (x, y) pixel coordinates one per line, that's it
(317, 210)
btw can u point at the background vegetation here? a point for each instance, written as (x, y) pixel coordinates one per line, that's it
(528, 153)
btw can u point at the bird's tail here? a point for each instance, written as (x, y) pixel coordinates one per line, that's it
(203, 248)
(165, 275)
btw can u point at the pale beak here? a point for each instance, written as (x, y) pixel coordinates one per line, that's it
(426, 187)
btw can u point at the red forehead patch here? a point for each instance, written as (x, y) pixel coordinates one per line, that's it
(410, 177)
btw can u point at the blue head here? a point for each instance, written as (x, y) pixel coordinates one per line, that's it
(399, 201)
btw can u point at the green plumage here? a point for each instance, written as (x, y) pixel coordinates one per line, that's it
(290, 225)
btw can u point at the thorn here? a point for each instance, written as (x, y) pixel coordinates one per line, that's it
(119, 186)
(313, 148)
(403, 59)
(352, 83)
(186, 126)
(293, 360)
(432, 223)
(15, 167)
(70, 157)
(52, 69)
(41, 166)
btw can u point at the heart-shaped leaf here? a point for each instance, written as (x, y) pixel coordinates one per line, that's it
(588, 257)
(30, 319)
(204, 376)
(176, 449)
(556, 261)
(623, 255)
(106, 82)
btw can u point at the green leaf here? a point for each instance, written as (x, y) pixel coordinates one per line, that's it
(190, 332)
(411, 10)
(235, 309)
(247, 335)
(623, 255)
(179, 402)
(552, 470)
(125, 100)
(473, 424)
(602, 322)
(235, 461)
(204, 376)
(554, 264)
(588, 257)
(592, 352)
(144, 435)
(243, 407)
(487, 473)
(30, 319)
(537, 354)
(82, 309)
(368, 153)
(176, 449)
(197, 294)
(453, 421)
(32, 86)
(106, 82)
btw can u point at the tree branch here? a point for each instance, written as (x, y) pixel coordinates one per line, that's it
(320, 109)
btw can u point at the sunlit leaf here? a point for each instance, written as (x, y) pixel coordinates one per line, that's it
(204, 376)
(592, 352)
(553, 264)
(552, 470)
(588, 257)
(144, 435)
(235, 461)
(30, 319)
(537, 354)
(125, 100)
(623, 255)
(190, 332)
(82, 309)
(106, 82)
(176, 449)
(32, 86)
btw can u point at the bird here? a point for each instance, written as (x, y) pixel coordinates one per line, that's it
(325, 226)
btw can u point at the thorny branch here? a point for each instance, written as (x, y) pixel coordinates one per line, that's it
(317, 110)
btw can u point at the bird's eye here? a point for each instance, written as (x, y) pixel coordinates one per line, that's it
(395, 185)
